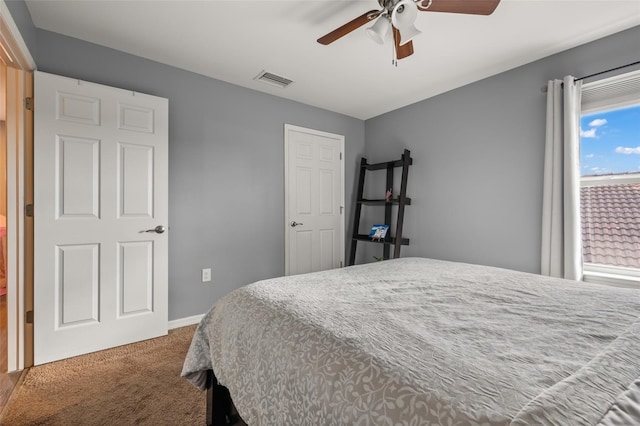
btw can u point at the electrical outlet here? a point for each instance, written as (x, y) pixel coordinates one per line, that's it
(206, 275)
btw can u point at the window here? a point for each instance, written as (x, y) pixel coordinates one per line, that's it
(610, 180)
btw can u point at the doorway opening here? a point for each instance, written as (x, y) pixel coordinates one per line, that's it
(7, 380)
(16, 188)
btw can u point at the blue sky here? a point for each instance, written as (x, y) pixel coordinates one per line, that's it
(610, 142)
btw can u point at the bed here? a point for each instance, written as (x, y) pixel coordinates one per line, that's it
(417, 341)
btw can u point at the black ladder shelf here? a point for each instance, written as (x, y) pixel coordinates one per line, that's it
(401, 201)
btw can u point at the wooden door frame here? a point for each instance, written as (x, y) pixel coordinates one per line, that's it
(19, 121)
(341, 138)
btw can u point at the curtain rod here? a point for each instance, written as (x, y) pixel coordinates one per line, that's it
(544, 88)
(612, 69)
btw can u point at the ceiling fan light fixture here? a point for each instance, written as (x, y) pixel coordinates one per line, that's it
(378, 31)
(404, 14)
(408, 34)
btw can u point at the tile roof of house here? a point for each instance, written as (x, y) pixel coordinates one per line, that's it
(610, 217)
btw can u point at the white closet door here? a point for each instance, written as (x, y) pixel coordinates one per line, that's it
(314, 200)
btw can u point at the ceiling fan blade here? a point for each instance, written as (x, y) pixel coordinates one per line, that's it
(471, 7)
(404, 50)
(349, 26)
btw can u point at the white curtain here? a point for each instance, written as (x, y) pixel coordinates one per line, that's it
(561, 232)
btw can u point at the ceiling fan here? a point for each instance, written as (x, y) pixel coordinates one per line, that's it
(400, 16)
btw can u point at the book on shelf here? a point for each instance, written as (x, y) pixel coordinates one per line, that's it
(378, 232)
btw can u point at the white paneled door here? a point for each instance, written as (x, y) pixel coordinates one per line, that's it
(100, 215)
(314, 200)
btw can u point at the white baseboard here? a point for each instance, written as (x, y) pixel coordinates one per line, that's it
(183, 322)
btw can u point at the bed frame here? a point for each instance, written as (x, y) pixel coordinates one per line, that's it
(220, 408)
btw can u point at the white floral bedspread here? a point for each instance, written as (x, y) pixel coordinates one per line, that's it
(417, 342)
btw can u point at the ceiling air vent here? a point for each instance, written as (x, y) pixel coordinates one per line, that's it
(273, 79)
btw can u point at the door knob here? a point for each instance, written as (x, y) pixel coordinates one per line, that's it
(294, 224)
(158, 229)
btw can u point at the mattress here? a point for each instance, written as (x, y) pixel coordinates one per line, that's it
(417, 341)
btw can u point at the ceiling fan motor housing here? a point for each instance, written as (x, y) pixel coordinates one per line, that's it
(388, 5)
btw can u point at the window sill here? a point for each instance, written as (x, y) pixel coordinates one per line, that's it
(611, 278)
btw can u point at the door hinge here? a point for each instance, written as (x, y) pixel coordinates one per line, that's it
(341, 208)
(28, 210)
(29, 317)
(341, 263)
(28, 103)
(341, 156)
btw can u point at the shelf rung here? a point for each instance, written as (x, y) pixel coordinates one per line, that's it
(381, 166)
(381, 202)
(388, 240)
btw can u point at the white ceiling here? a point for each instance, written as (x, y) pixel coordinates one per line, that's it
(235, 40)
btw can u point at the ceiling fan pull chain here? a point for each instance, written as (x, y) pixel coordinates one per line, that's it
(393, 55)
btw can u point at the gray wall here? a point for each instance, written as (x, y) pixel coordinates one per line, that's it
(476, 182)
(478, 152)
(226, 166)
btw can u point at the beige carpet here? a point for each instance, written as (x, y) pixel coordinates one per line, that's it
(136, 384)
